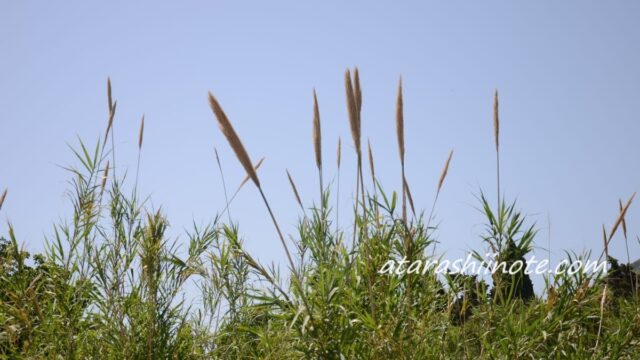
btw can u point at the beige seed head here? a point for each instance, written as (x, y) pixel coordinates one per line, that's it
(109, 97)
(621, 216)
(295, 189)
(496, 120)
(141, 133)
(4, 196)
(445, 170)
(112, 114)
(409, 196)
(371, 165)
(232, 137)
(358, 98)
(358, 92)
(353, 112)
(400, 122)
(317, 134)
(105, 176)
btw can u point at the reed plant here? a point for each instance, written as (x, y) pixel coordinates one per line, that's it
(112, 284)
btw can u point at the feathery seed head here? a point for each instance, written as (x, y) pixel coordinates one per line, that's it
(400, 122)
(317, 134)
(141, 133)
(445, 170)
(232, 137)
(295, 189)
(354, 122)
(4, 196)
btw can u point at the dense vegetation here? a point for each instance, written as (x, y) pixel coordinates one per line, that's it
(112, 285)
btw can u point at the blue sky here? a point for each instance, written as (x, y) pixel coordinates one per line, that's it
(568, 75)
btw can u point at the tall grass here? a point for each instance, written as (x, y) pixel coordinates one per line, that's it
(112, 284)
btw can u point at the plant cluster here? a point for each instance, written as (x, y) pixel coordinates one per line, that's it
(113, 285)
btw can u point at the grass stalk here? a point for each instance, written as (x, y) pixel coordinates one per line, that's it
(224, 185)
(338, 158)
(496, 135)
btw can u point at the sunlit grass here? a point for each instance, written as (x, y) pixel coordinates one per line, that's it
(112, 285)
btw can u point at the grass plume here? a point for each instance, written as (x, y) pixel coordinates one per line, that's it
(353, 110)
(444, 172)
(317, 145)
(295, 190)
(109, 96)
(112, 114)
(141, 133)
(111, 284)
(317, 133)
(232, 137)
(3, 197)
(357, 93)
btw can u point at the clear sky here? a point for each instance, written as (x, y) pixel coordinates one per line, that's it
(568, 74)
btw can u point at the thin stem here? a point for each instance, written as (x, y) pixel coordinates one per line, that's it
(275, 223)
(322, 204)
(433, 207)
(135, 187)
(362, 193)
(113, 151)
(498, 175)
(355, 211)
(224, 185)
(297, 279)
(404, 195)
(338, 203)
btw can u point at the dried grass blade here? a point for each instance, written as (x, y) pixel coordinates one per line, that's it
(624, 222)
(409, 197)
(620, 218)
